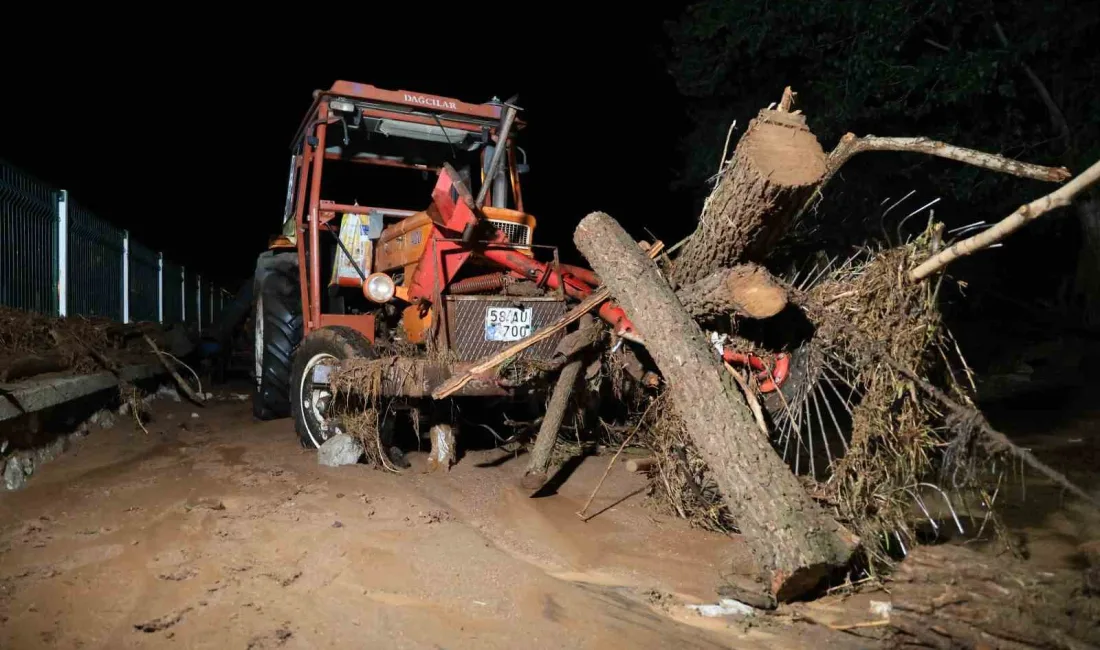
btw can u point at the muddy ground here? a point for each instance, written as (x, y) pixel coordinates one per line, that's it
(218, 531)
(222, 532)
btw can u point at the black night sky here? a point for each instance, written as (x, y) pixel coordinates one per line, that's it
(184, 140)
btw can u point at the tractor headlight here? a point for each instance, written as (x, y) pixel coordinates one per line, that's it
(379, 287)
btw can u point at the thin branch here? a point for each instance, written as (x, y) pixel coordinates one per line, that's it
(995, 440)
(850, 145)
(198, 399)
(750, 398)
(938, 46)
(1061, 197)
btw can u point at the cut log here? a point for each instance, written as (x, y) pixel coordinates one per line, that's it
(747, 290)
(794, 541)
(776, 167)
(950, 596)
(535, 475)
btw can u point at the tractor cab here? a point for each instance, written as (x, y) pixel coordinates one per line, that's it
(365, 164)
(389, 147)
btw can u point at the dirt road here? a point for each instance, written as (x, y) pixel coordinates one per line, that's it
(220, 532)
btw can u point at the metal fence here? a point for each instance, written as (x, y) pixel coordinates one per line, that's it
(28, 242)
(59, 258)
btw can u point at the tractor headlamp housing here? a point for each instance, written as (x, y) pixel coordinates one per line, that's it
(341, 106)
(379, 287)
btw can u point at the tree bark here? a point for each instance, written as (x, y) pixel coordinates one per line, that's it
(792, 538)
(949, 596)
(747, 290)
(776, 167)
(588, 332)
(539, 465)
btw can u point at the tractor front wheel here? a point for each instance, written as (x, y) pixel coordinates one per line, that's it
(311, 393)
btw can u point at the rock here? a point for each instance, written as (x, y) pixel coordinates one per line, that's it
(1091, 552)
(168, 391)
(50, 451)
(340, 449)
(16, 471)
(104, 419)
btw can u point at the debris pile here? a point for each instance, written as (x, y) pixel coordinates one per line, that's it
(817, 417)
(33, 344)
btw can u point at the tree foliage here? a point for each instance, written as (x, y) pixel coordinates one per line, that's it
(932, 67)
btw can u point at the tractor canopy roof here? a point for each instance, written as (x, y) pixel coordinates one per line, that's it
(407, 114)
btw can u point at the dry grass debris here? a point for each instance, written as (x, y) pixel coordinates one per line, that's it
(864, 439)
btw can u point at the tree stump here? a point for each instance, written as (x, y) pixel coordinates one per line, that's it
(791, 537)
(776, 167)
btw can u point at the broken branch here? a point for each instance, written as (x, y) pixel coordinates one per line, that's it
(175, 375)
(793, 539)
(995, 439)
(850, 145)
(1061, 197)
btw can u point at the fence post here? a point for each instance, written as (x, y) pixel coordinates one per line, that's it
(183, 295)
(198, 301)
(125, 276)
(160, 287)
(63, 253)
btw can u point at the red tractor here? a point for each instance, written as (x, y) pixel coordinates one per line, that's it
(359, 272)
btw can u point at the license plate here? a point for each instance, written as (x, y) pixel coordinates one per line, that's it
(507, 323)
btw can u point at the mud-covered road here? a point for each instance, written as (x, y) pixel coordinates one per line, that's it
(218, 531)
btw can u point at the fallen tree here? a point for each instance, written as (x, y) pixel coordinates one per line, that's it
(778, 171)
(792, 538)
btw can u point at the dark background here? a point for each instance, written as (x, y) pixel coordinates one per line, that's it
(178, 126)
(185, 140)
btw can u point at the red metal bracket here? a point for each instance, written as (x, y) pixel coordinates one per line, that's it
(770, 379)
(452, 213)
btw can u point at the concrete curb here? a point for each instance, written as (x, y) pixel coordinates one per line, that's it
(38, 394)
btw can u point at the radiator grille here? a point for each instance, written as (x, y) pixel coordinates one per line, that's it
(466, 325)
(517, 233)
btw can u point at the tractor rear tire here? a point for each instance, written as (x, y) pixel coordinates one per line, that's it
(278, 330)
(328, 343)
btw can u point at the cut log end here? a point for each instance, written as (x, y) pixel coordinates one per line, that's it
(785, 151)
(747, 290)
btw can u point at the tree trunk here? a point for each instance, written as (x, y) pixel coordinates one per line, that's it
(570, 346)
(791, 537)
(535, 476)
(776, 167)
(950, 596)
(747, 289)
